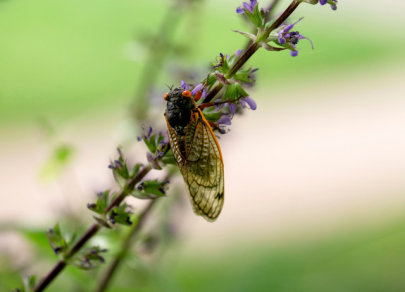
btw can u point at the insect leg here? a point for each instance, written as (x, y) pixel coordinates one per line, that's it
(209, 104)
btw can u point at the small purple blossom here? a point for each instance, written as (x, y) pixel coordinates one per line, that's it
(250, 7)
(249, 101)
(294, 53)
(139, 138)
(204, 93)
(238, 52)
(225, 119)
(146, 134)
(218, 104)
(291, 38)
(197, 88)
(221, 61)
(116, 165)
(333, 6)
(232, 108)
(184, 85)
(140, 186)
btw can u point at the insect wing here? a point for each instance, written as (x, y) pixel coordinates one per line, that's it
(202, 168)
(203, 171)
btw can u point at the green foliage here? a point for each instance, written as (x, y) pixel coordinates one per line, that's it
(28, 284)
(89, 259)
(56, 240)
(120, 215)
(150, 189)
(104, 199)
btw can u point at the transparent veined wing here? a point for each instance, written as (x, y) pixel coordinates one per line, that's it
(202, 167)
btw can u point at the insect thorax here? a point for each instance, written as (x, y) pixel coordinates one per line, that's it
(179, 110)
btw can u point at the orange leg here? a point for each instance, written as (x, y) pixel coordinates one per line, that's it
(213, 125)
(209, 104)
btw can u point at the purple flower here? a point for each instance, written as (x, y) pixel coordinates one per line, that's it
(294, 53)
(218, 104)
(225, 119)
(197, 88)
(251, 7)
(238, 52)
(184, 85)
(249, 101)
(291, 38)
(333, 6)
(204, 93)
(232, 108)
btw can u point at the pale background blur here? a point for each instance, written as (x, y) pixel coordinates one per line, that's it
(315, 188)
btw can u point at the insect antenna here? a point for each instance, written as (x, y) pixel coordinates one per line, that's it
(170, 88)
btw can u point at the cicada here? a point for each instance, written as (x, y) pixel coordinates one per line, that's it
(197, 152)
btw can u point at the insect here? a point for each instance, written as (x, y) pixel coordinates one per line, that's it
(196, 151)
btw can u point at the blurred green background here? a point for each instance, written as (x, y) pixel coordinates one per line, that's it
(316, 203)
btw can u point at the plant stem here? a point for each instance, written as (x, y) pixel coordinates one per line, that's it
(283, 17)
(106, 279)
(94, 228)
(251, 50)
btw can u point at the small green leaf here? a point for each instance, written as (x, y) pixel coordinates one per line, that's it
(102, 222)
(246, 34)
(121, 215)
(243, 75)
(135, 170)
(56, 240)
(151, 143)
(254, 19)
(230, 92)
(240, 91)
(89, 258)
(210, 80)
(271, 48)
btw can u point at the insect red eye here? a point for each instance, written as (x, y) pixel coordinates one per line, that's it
(186, 93)
(165, 96)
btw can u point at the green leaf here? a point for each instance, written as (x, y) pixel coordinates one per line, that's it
(230, 92)
(154, 187)
(151, 143)
(246, 34)
(121, 215)
(254, 19)
(135, 170)
(169, 158)
(240, 91)
(243, 75)
(102, 222)
(29, 283)
(89, 258)
(271, 48)
(258, 15)
(210, 80)
(56, 240)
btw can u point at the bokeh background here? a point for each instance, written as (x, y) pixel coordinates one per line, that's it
(315, 188)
